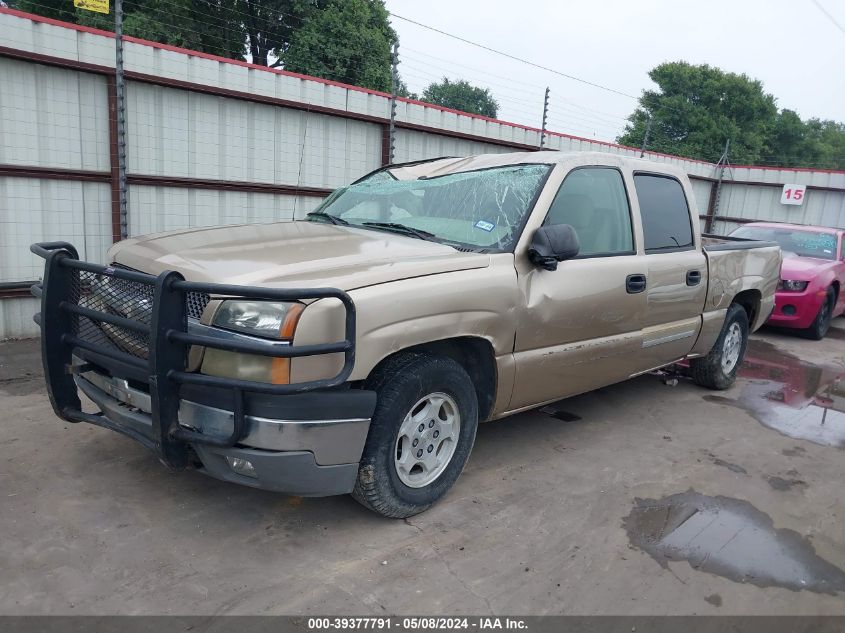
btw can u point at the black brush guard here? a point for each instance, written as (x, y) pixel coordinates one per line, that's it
(169, 341)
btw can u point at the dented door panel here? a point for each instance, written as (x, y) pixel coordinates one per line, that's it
(578, 328)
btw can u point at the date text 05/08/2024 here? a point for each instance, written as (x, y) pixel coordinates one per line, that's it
(415, 623)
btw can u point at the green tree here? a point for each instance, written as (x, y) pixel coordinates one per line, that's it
(403, 91)
(813, 143)
(463, 96)
(697, 108)
(826, 141)
(344, 40)
(270, 25)
(55, 9)
(788, 142)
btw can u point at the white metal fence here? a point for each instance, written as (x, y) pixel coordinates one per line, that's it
(212, 141)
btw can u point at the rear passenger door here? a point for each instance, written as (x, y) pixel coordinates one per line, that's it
(676, 285)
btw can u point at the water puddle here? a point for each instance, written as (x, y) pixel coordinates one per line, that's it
(734, 468)
(715, 599)
(791, 396)
(783, 484)
(730, 538)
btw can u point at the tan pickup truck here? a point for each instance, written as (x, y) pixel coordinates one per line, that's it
(357, 350)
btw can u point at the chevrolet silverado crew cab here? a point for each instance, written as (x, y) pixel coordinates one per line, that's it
(356, 351)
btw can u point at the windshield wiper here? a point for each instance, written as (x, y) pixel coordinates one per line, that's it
(403, 229)
(331, 218)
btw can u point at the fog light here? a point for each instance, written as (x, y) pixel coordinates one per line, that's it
(789, 309)
(241, 466)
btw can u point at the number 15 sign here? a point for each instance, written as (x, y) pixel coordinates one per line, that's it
(793, 194)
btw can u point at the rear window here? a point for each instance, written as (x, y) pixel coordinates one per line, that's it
(665, 214)
(821, 245)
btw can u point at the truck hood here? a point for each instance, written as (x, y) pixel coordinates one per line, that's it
(803, 268)
(292, 254)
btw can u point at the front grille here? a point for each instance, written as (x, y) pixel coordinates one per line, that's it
(195, 302)
(124, 298)
(81, 301)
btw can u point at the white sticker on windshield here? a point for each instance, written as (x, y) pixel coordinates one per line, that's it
(484, 225)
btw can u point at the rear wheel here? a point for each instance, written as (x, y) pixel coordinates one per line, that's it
(718, 369)
(421, 434)
(821, 324)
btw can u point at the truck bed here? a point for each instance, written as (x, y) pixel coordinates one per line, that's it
(738, 265)
(711, 242)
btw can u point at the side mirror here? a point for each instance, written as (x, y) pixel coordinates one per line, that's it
(552, 244)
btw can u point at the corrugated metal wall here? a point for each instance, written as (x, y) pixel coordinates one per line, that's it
(157, 209)
(826, 208)
(701, 191)
(214, 142)
(412, 145)
(47, 210)
(52, 117)
(179, 133)
(16, 318)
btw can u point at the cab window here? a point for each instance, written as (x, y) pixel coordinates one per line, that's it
(594, 202)
(665, 214)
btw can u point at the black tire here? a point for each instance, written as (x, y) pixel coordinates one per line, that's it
(821, 324)
(708, 371)
(399, 384)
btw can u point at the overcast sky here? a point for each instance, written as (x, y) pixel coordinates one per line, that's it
(790, 45)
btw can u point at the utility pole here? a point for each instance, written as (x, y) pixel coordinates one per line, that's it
(545, 117)
(713, 210)
(394, 86)
(645, 138)
(724, 162)
(120, 88)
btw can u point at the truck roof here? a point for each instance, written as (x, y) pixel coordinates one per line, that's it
(453, 165)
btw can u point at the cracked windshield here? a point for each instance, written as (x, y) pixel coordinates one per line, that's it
(481, 209)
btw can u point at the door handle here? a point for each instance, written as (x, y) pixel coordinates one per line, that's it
(635, 284)
(693, 277)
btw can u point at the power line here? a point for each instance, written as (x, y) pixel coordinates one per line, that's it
(560, 102)
(452, 64)
(583, 119)
(515, 58)
(568, 109)
(829, 16)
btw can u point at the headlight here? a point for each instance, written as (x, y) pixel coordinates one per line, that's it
(792, 285)
(267, 319)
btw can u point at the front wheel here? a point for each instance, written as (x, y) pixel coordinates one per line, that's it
(718, 369)
(821, 324)
(421, 434)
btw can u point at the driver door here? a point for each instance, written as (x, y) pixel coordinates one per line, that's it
(580, 326)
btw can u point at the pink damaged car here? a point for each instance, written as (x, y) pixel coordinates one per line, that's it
(812, 274)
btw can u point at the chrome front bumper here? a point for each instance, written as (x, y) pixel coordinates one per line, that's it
(311, 457)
